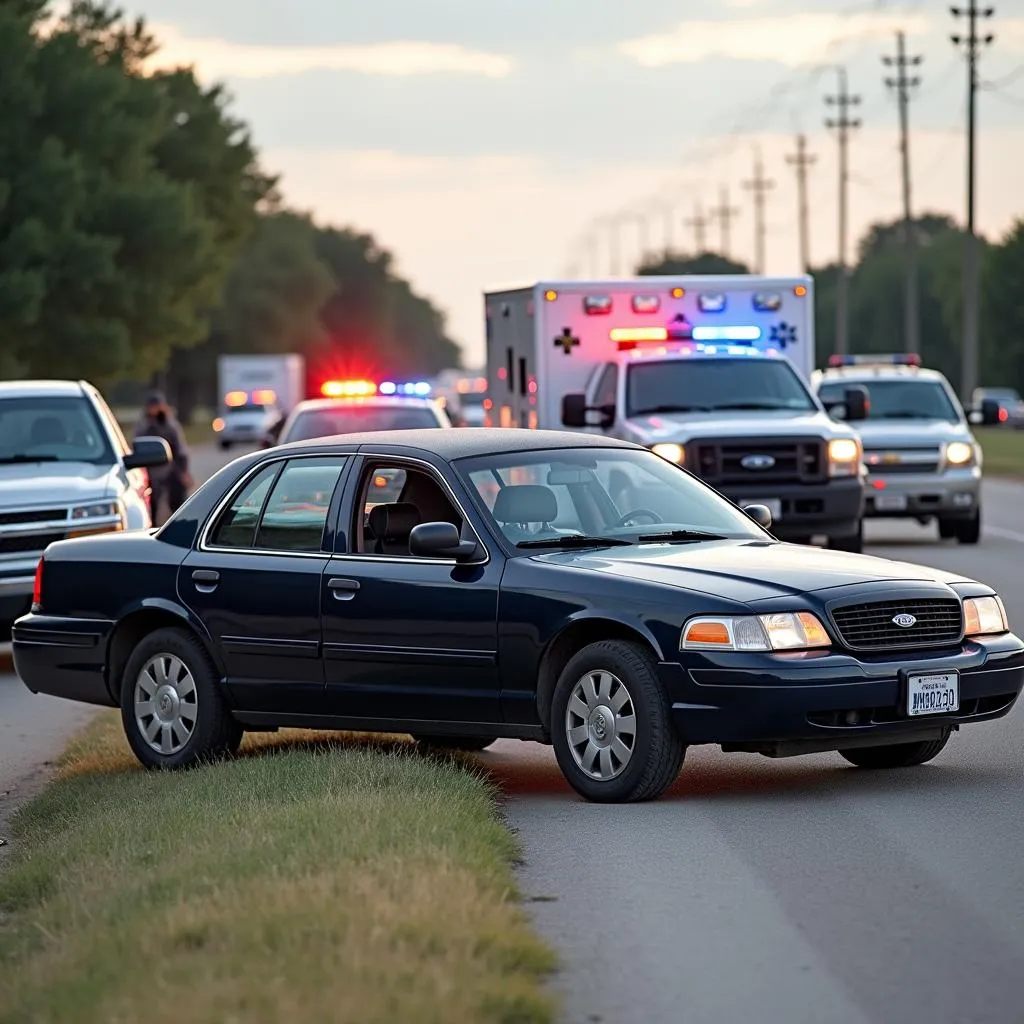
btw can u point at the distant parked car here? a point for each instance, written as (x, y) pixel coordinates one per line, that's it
(1011, 406)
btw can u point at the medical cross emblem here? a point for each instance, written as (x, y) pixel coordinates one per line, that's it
(783, 334)
(567, 341)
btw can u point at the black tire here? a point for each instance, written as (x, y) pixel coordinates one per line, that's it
(214, 733)
(854, 542)
(447, 744)
(968, 531)
(225, 445)
(657, 750)
(947, 529)
(897, 755)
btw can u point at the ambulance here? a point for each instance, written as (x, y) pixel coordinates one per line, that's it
(711, 372)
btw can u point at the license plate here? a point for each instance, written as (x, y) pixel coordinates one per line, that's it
(772, 504)
(890, 502)
(933, 694)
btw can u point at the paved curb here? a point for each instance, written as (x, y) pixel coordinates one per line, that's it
(6, 660)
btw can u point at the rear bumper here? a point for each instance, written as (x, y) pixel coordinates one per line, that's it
(834, 508)
(784, 704)
(953, 494)
(64, 657)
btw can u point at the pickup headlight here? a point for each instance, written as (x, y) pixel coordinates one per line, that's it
(984, 616)
(959, 453)
(672, 452)
(786, 631)
(844, 454)
(98, 510)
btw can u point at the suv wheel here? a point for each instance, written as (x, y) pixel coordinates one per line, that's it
(171, 707)
(611, 726)
(947, 529)
(853, 542)
(968, 531)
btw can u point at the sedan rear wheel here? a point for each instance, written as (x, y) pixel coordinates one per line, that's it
(611, 725)
(897, 755)
(171, 707)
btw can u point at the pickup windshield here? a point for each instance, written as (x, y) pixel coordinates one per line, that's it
(52, 428)
(715, 385)
(898, 399)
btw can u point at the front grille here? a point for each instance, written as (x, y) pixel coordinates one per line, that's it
(37, 515)
(793, 462)
(28, 542)
(894, 461)
(870, 627)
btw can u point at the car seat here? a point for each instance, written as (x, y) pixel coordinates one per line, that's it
(521, 505)
(391, 526)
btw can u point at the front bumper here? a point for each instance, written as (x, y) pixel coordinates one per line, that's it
(834, 508)
(803, 703)
(954, 494)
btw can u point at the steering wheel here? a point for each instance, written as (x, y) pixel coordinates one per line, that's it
(649, 513)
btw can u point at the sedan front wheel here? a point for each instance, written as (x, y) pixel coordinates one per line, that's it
(611, 725)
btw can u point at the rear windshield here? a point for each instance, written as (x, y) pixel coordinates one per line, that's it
(355, 419)
(58, 428)
(898, 399)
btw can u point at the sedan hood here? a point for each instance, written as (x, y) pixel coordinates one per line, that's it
(749, 571)
(49, 484)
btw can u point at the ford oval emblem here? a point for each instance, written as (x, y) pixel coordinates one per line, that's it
(757, 462)
(904, 620)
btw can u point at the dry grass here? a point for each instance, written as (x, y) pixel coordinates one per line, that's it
(332, 880)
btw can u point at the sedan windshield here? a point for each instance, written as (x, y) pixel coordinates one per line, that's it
(712, 385)
(55, 428)
(607, 496)
(356, 418)
(898, 399)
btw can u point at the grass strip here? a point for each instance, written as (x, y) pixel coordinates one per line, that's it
(1002, 450)
(329, 878)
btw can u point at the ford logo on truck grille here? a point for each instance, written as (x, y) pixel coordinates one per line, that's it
(904, 620)
(757, 462)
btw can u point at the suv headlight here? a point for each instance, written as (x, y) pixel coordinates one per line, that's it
(98, 510)
(959, 453)
(844, 454)
(786, 631)
(984, 616)
(672, 452)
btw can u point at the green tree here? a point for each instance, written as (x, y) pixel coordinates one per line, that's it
(1002, 343)
(702, 263)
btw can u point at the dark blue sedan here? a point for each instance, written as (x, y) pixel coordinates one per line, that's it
(549, 586)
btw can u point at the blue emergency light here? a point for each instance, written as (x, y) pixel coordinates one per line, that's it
(421, 388)
(717, 333)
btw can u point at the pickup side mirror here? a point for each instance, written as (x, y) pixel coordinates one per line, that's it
(574, 410)
(990, 412)
(148, 453)
(761, 515)
(857, 403)
(440, 540)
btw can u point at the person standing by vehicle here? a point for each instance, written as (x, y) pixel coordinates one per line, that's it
(172, 482)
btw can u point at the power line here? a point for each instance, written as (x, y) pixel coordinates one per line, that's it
(843, 125)
(972, 42)
(801, 160)
(724, 213)
(902, 84)
(699, 222)
(760, 186)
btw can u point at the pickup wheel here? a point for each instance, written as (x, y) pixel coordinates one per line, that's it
(446, 744)
(947, 529)
(171, 707)
(854, 542)
(897, 755)
(611, 726)
(968, 531)
(225, 445)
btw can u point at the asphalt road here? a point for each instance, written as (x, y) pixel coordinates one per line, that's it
(798, 891)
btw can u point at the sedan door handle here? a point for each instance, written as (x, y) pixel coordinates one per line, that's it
(337, 584)
(205, 580)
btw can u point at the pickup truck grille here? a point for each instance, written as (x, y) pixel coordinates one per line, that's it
(870, 627)
(36, 515)
(767, 461)
(25, 543)
(896, 461)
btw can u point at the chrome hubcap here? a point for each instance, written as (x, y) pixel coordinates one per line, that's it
(166, 703)
(600, 724)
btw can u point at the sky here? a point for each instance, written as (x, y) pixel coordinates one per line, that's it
(516, 140)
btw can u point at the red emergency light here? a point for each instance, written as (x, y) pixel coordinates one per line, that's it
(630, 337)
(347, 388)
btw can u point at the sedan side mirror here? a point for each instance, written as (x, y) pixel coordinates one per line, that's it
(440, 540)
(147, 453)
(990, 412)
(857, 403)
(761, 515)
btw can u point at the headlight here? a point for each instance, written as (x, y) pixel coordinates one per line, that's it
(984, 616)
(218, 424)
(99, 510)
(786, 631)
(672, 452)
(843, 457)
(959, 453)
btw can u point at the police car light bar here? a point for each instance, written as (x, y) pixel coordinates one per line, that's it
(635, 334)
(893, 359)
(416, 387)
(365, 388)
(726, 333)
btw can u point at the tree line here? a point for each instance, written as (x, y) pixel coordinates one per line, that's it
(140, 237)
(876, 296)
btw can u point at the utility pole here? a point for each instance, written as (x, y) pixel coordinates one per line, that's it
(760, 186)
(801, 160)
(699, 222)
(724, 214)
(902, 84)
(972, 42)
(843, 124)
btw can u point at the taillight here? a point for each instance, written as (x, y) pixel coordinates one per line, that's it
(37, 588)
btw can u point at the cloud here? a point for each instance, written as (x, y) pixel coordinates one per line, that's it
(791, 39)
(218, 58)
